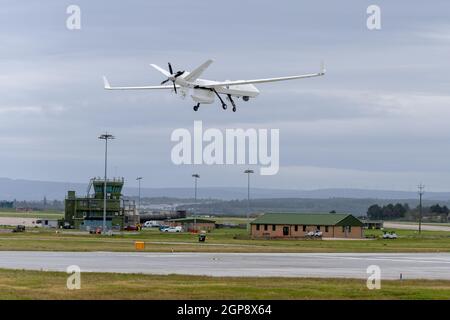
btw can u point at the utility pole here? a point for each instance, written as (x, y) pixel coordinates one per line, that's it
(248, 172)
(139, 197)
(105, 137)
(421, 188)
(195, 176)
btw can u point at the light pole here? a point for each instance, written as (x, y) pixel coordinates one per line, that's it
(248, 172)
(139, 197)
(421, 188)
(105, 137)
(195, 176)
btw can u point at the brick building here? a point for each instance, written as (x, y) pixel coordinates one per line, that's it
(297, 225)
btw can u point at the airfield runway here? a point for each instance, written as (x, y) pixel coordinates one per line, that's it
(327, 265)
(415, 226)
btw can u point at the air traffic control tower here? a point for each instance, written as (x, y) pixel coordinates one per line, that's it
(86, 213)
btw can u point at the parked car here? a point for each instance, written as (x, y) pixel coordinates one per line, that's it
(162, 228)
(173, 229)
(390, 235)
(316, 234)
(131, 228)
(19, 228)
(66, 225)
(97, 230)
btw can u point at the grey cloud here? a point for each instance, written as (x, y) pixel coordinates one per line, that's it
(380, 112)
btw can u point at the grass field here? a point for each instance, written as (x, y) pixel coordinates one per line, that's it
(52, 285)
(220, 240)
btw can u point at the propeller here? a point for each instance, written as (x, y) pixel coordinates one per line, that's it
(172, 77)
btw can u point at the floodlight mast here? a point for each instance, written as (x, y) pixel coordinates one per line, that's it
(139, 194)
(248, 172)
(195, 176)
(106, 136)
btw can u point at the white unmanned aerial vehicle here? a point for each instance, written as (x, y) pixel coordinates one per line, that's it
(204, 91)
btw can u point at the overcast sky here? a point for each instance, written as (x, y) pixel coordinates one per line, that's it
(378, 119)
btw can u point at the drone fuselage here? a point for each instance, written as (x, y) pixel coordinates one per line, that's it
(200, 94)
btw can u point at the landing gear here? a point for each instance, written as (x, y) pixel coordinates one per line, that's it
(196, 107)
(224, 106)
(232, 102)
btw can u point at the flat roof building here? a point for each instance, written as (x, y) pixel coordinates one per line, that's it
(373, 224)
(48, 223)
(298, 225)
(193, 224)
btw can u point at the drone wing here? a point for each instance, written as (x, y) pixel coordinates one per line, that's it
(108, 86)
(240, 82)
(196, 73)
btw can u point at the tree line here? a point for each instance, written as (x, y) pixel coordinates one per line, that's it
(404, 211)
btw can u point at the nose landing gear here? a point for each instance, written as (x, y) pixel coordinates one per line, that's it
(196, 107)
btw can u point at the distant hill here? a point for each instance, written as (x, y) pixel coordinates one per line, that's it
(357, 207)
(36, 190)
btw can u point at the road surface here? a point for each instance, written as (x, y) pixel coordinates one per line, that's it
(348, 265)
(414, 226)
(14, 221)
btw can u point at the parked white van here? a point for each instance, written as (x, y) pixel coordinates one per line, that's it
(151, 224)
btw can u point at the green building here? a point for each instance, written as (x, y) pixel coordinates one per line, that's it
(86, 213)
